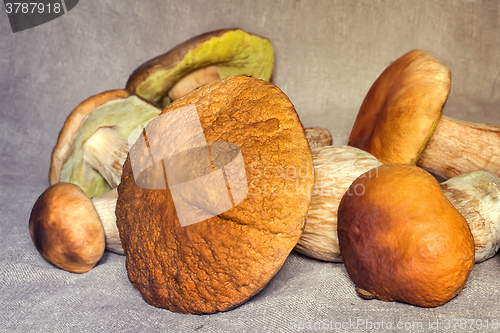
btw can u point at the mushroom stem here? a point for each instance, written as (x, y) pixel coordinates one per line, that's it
(476, 195)
(193, 80)
(457, 147)
(105, 206)
(106, 152)
(318, 137)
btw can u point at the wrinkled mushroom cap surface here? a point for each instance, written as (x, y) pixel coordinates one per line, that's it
(402, 108)
(234, 51)
(401, 239)
(116, 109)
(219, 263)
(66, 229)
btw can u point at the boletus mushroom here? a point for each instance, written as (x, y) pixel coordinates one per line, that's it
(202, 59)
(335, 169)
(214, 196)
(66, 229)
(93, 142)
(400, 121)
(70, 230)
(401, 239)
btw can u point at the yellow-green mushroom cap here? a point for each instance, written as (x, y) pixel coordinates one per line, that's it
(402, 108)
(233, 51)
(81, 157)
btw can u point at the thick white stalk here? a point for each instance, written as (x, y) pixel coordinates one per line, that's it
(106, 152)
(105, 206)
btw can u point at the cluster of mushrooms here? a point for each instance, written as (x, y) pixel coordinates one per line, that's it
(373, 204)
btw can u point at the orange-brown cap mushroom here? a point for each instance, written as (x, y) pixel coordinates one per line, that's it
(402, 108)
(66, 229)
(249, 219)
(400, 121)
(93, 142)
(199, 60)
(401, 239)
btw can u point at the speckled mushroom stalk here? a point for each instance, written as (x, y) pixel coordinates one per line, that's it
(105, 206)
(318, 137)
(476, 196)
(106, 151)
(335, 169)
(458, 147)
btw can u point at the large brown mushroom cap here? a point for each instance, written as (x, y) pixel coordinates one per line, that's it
(219, 263)
(233, 51)
(402, 108)
(66, 229)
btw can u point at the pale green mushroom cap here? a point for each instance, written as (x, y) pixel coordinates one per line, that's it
(117, 110)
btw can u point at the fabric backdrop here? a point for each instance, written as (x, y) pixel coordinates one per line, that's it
(328, 53)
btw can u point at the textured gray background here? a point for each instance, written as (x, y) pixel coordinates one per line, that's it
(328, 53)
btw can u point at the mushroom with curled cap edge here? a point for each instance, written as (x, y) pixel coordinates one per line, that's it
(220, 262)
(199, 60)
(93, 142)
(400, 121)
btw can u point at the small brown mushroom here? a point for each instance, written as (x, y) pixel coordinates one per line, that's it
(94, 140)
(202, 59)
(476, 196)
(400, 121)
(72, 231)
(66, 229)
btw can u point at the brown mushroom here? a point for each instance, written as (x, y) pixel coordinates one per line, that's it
(72, 231)
(66, 229)
(400, 121)
(202, 59)
(93, 142)
(254, 137)
(401, 239)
